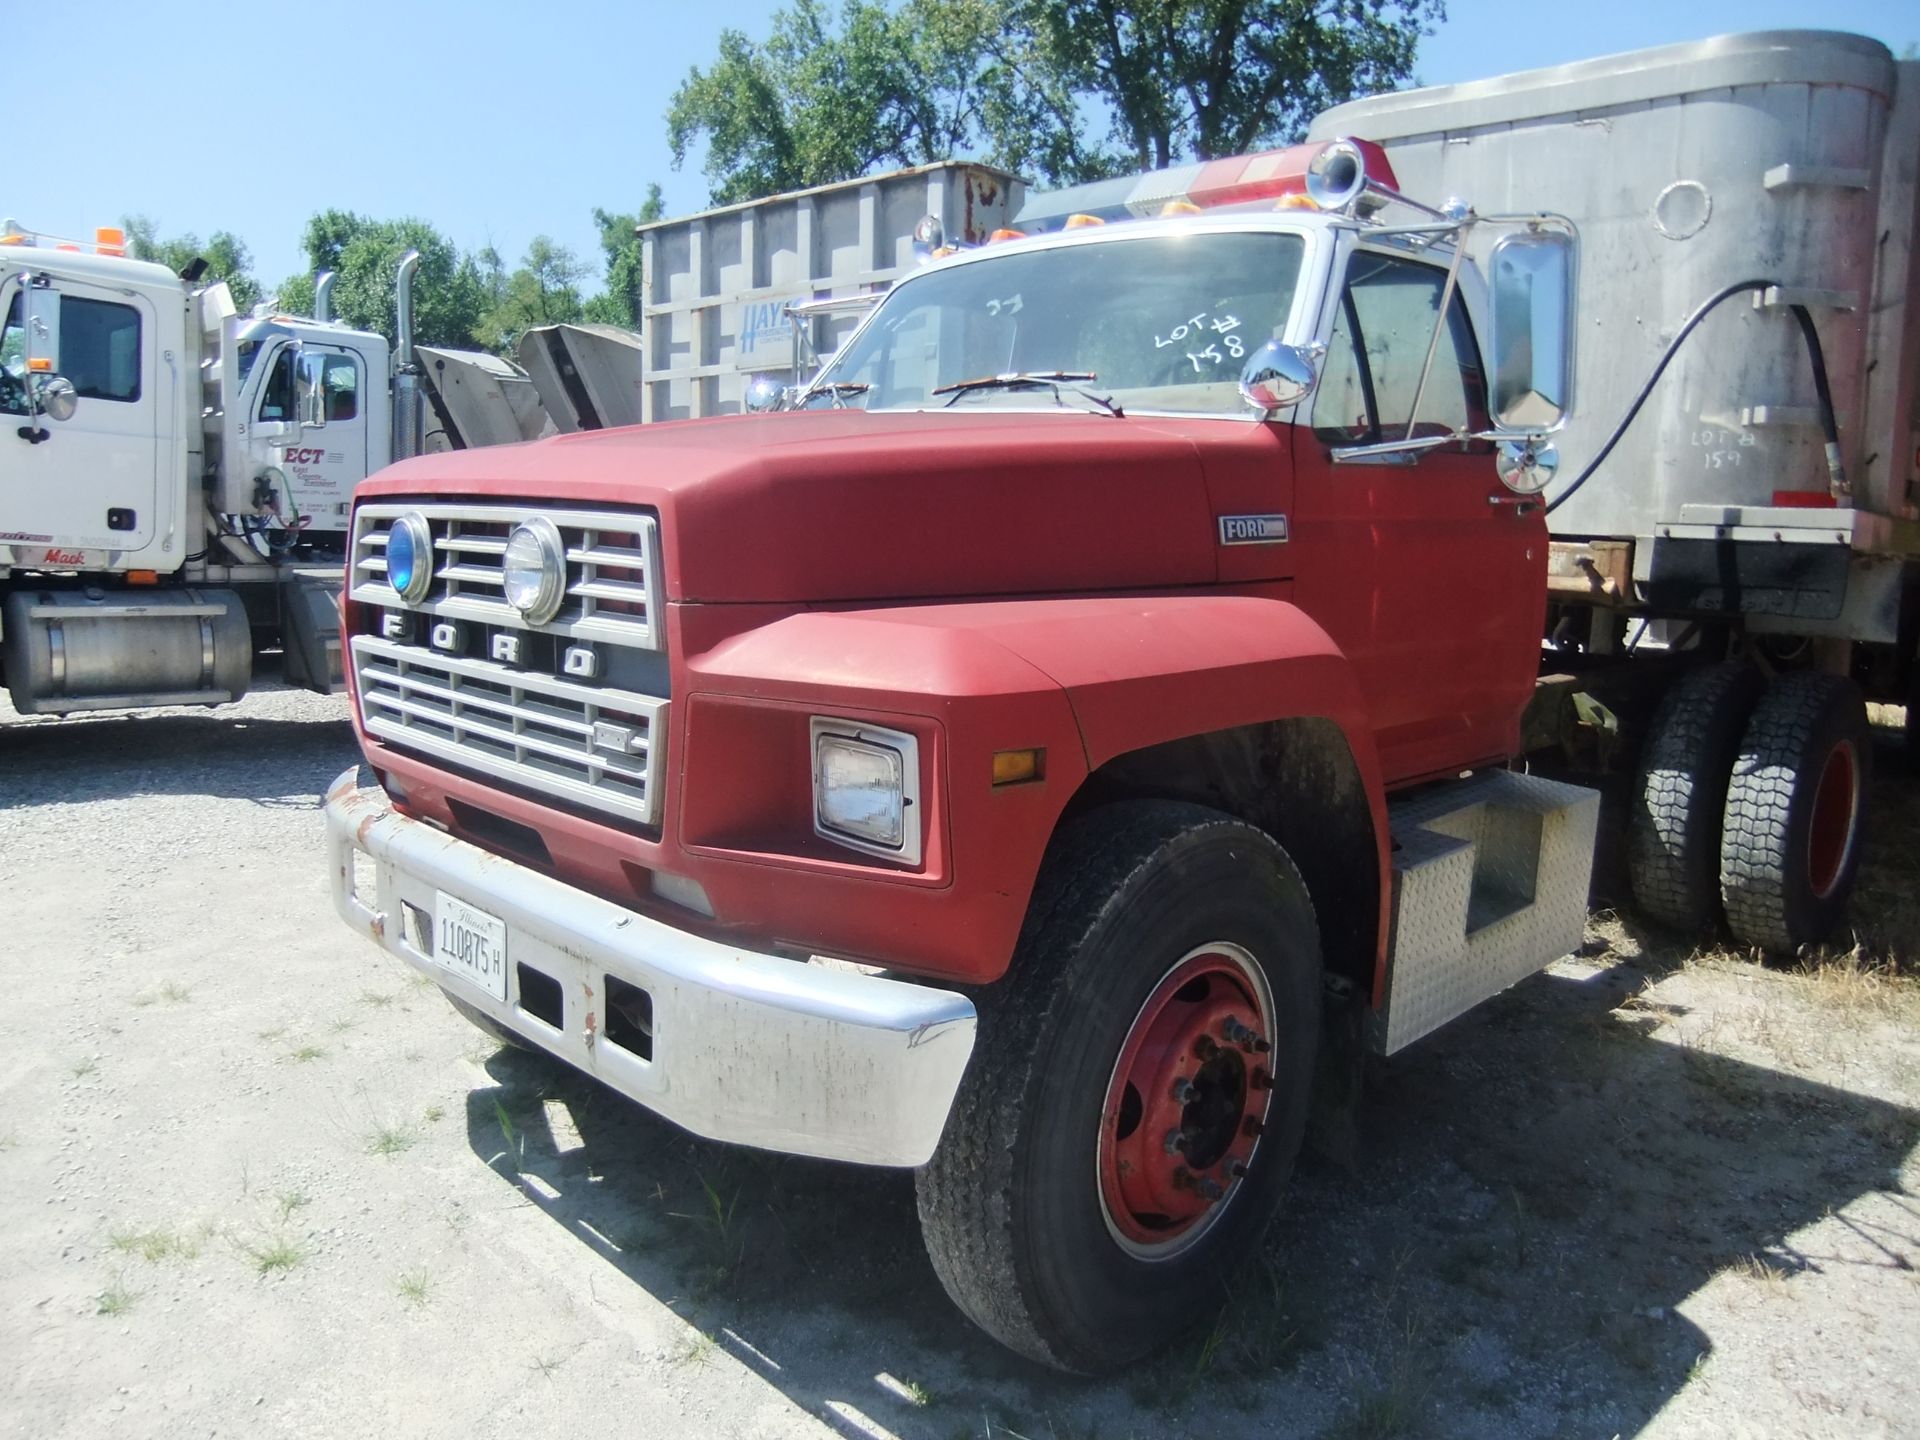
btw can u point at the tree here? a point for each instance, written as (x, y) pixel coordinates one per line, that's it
(1204, 78)
(545, 290)
(1063, 90)
(450, 296)
(820, 101)
(225, 253)
(619, 302)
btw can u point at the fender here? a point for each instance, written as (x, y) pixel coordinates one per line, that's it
(1133, 671)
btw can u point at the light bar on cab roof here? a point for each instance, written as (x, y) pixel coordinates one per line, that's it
(1267, 175)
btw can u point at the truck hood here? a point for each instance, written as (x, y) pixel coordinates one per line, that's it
(840, 505)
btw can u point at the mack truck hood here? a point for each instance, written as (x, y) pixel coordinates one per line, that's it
(841, 505)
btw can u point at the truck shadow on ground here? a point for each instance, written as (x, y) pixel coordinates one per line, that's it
(1541, 1185)
(269, 762)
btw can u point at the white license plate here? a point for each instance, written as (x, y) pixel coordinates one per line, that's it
(471, 943)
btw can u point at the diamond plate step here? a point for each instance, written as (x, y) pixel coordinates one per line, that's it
(1490, 881)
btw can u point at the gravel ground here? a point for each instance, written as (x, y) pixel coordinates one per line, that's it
(255, 1179)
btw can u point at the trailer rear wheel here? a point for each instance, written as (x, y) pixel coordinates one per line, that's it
(1138, 1091)
(1796, 806)
(1673, 834)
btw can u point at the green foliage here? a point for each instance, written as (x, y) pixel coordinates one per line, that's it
(451, 298)
(1028, 84)
(225, 253)
(545, 290)
(619, 301)
(1219, 77)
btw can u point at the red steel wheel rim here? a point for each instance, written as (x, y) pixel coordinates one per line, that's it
(1836, 808)
(1188, 1099)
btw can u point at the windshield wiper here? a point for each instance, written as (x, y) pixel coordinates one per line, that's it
(833, 390)
(1058, 380)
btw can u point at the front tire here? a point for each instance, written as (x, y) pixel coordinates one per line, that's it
(1796, 808)
(1138, 1091)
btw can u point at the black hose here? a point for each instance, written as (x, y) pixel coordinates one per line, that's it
(1828, 424)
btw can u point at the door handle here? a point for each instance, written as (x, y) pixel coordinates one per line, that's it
(1519, 504)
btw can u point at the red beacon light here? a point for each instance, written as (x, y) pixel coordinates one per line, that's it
(1333, 175)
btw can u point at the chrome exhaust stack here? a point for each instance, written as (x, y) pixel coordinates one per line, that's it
(406, 373)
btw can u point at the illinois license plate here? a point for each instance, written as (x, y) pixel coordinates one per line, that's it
(471, 943)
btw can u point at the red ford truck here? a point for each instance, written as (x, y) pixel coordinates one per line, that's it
(1050, 749)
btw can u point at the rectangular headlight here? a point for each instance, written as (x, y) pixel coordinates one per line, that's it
(866, 784)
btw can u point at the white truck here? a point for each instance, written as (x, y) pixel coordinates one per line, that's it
(174, 475)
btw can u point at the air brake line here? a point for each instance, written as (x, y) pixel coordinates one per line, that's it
(1836, 475)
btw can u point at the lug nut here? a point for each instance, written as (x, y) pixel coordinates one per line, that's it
(1238, 1171)
(1204, 1048)
(1236, 1032)
(1176, 1139)
(1184, 1092)
(1209, 1189)
(1183, 1179)
(1259, 1080)
(1261, 1047)
(1251, 1127)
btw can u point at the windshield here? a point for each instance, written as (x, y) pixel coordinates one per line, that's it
(1164, 322)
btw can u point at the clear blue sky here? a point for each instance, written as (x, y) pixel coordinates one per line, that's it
(497, 120)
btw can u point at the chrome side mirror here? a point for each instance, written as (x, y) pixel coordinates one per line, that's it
(1530, 341)
(56, 396)
(1528, 466)
(43, 327)
(764, 395)
(1276, 376)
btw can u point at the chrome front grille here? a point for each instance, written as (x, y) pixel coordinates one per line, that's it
(613, 568)
(584, 740)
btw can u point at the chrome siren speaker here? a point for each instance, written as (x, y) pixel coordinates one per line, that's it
(1337, 176)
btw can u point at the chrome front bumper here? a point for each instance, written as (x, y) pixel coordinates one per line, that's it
(745, 1047)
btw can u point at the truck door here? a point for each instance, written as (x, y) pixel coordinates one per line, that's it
(318, 392)
(1422, 566)
(93, 482)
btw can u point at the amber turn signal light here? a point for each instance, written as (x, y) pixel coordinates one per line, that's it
(1016, 767)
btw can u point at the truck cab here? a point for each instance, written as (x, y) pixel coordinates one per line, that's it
(1007, 758)
(105, 489)
(311, 402)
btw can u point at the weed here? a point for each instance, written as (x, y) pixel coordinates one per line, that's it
(344, 1024)
(414, 1287)
(9, 1141)
(273, 1255)
(373, 999)
(1770, 1278)
(916, 1393)
(435, 1114)
(153, 1245)
(696, 1348)
(719, 1212)
(116, 1299)
(174, 993)
(516, 1144)
(309, 1052)
(288, 1201)
(546, 1365)
(80, 1069)
(390, 1140)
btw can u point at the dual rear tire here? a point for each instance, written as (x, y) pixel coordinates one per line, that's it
(1749, 806)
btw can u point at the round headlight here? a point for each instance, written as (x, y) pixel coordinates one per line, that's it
(533, 572)
(410, 558)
